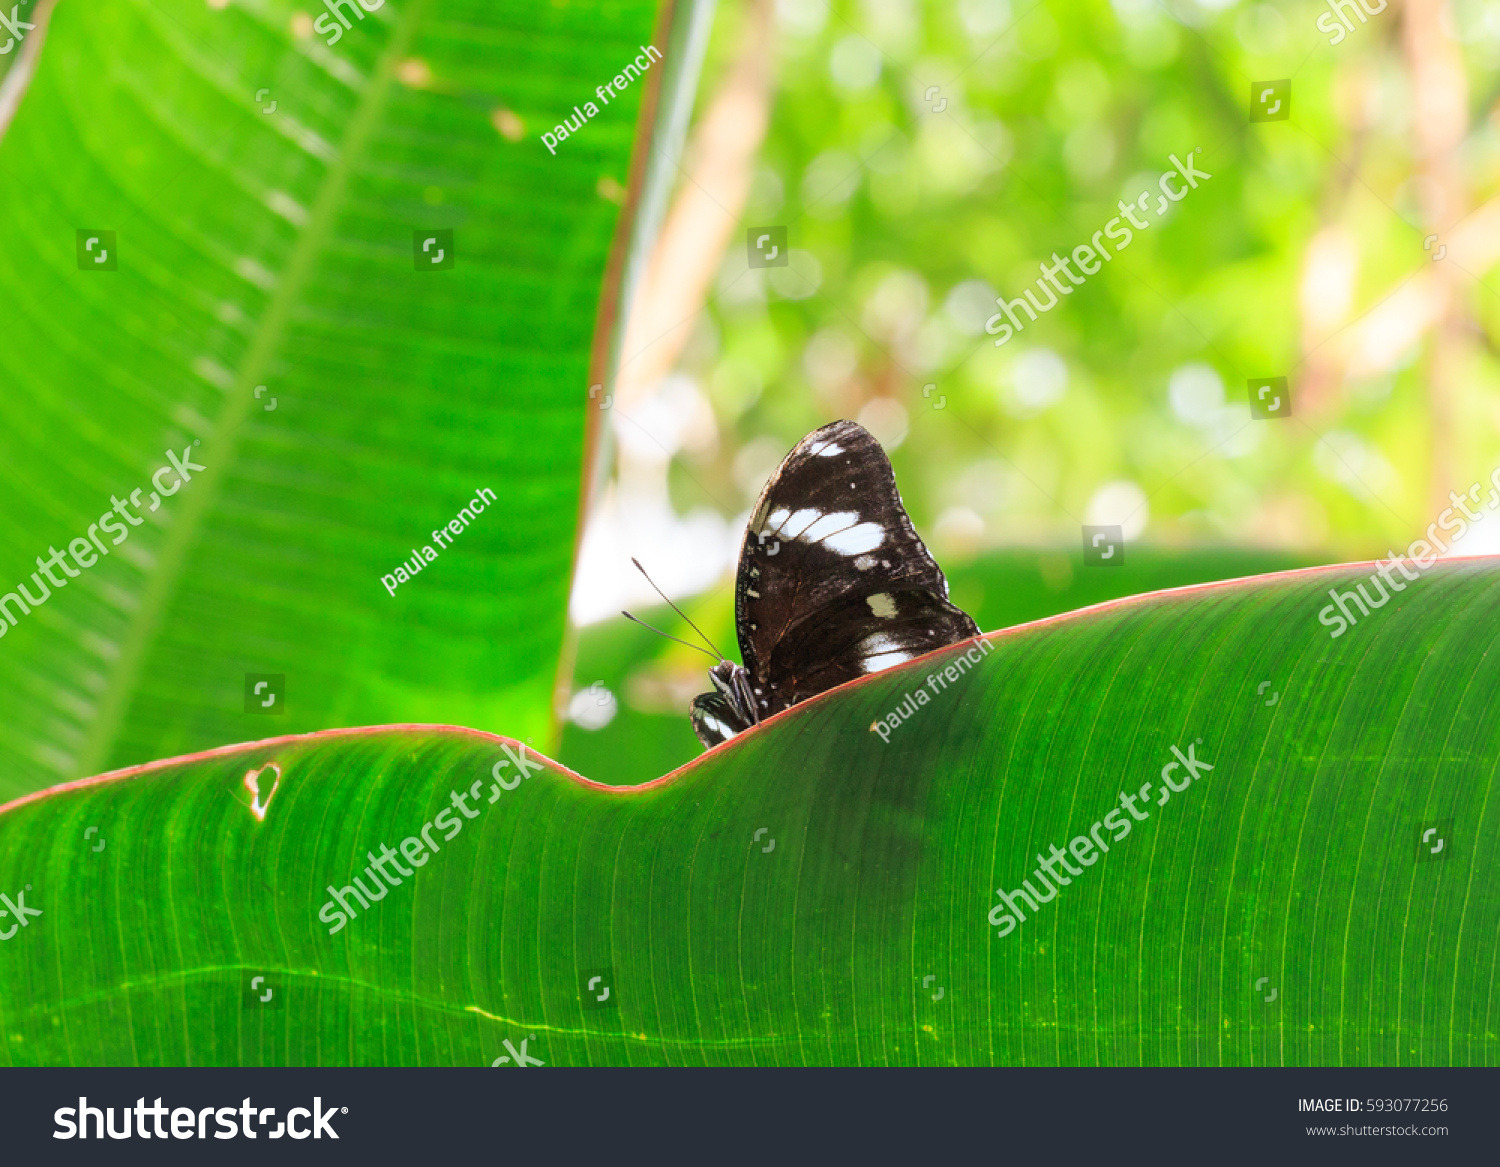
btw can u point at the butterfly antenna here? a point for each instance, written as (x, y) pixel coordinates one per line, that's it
(668, 635)
(676, 609)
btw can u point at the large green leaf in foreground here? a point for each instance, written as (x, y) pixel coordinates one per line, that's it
(1277, 910)
(264, 189)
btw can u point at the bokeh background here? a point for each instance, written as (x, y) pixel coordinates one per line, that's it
(926, 157)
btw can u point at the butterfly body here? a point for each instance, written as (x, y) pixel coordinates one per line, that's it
(732, 707)
(833, 584)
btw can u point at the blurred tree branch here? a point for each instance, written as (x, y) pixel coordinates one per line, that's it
(1440, 124)
(1433, 298)
(17, 79)
(717, 170)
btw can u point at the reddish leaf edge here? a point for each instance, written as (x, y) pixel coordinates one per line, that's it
(916, 663)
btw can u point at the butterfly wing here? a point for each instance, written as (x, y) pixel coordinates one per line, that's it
(714, 719)
(833, 581)
(860, 635)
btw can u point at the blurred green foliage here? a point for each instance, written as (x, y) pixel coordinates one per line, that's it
(1128, 402)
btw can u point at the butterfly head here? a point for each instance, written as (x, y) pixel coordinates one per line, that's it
(733, 681)
(723, 677)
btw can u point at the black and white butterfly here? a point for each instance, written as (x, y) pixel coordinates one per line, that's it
(833, 585)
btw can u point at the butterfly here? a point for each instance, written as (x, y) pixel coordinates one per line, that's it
(833, 584)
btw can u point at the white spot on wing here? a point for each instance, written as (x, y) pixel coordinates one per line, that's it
(829, 525)
(830, 450)
(856, 540)
(884, 660)
(800, 522)
(718, 726)
(881, 604)
(865, 562)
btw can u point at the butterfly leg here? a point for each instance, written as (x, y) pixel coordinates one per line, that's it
(747, 695)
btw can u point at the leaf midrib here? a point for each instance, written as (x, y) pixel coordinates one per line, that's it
(218, 452)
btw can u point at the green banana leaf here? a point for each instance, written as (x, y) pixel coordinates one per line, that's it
(211, 245)
(1310, 877)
